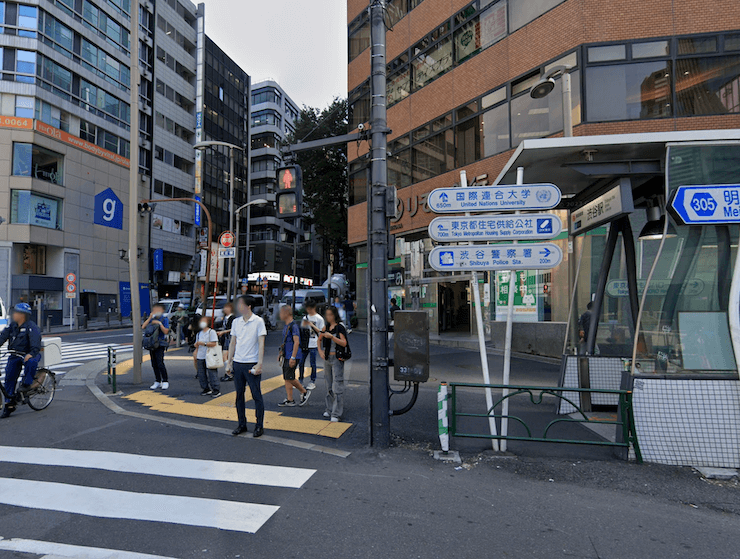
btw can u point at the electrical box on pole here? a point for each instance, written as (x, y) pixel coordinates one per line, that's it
(289, 200)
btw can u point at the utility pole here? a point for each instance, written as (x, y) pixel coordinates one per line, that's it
(377, 234)
(295, 267)
(232, 183)
(133, 205)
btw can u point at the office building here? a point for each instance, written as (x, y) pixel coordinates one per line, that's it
(460, 77)
(64, 142)
(273, 118)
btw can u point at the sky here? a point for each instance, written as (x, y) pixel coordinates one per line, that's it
(301, 44)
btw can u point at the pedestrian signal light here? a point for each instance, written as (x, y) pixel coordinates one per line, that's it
(290, 192)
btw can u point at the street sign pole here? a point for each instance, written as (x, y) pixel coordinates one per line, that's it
(377, 238)
(508, 341)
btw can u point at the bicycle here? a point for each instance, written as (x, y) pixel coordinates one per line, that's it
(38, 397)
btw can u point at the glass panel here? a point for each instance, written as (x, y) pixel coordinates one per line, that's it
(33, 209)
(496, 130)
(732, 42)
(493, 24)
(628, 91)
(524, 11)
(468, 139)
(28, 19)
(25, 62)
(433, 156)
(493, 98)
(651, 50)
(432, 64)
(399, 168)
(359, 39)
(399, 85)
(697, 46)
(466, 111)
(24, 106)
(467, 40)
(525, 84)
(708, 86)
(610, 52)
(537, 118)
(358, 185)
(22, 159)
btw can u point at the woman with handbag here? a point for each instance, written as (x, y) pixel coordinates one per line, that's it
(333, 350)
(208, 357)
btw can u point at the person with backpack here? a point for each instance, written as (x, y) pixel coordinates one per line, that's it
(334, 350)
(311, 328)
(288, 356)
(208, 378)
(155, 338)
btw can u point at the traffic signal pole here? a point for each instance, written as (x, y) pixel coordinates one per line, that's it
(377, 234)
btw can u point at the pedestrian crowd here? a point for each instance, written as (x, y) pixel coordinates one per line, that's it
(239, 348)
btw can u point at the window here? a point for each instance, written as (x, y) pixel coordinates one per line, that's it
(708, 86)
(606, 53)
(431, 64)
(28, 18)
(468, 139)
(264, 164)
(496, 137)
(34, 260)
(266, 95)
(88, 131)
(699, 45)
(60, 77)
(61, 35)
(265, 141)
(732, 42)
(29, 208)
(433, 156)
(51, 115)
(359, 35)
(2, 15)
(23, 106)
(25, 64)
(524, 11)
(399, 80)
(653, 49)
(628, 91)
(266, 117)
(359, 105)
(39, 163)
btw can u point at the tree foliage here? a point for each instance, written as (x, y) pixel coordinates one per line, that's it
(325, 180)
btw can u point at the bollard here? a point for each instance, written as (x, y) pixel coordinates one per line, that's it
(110, 364)
(112, 368)
(107, 318)
(48, 324)
(442, 421)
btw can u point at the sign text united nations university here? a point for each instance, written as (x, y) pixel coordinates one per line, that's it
(494, 198)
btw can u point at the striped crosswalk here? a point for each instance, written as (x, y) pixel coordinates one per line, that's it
(75, 354)
(161, 508)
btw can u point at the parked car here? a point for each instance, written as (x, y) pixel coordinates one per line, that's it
(170, 306)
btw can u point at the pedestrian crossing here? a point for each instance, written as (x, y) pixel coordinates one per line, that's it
(75, 354)
(99, 502)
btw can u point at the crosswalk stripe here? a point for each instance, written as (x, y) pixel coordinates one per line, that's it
(53, 549)
(254, 474)
(111, 503)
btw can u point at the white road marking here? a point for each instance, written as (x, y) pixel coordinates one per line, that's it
(254, 474)
(73, 551)
(109, 503)
(113, 336)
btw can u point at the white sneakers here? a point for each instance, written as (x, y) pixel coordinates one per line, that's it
(165, 385)
(335, 420)
(327, 414)
(162, 385)
(311, 386)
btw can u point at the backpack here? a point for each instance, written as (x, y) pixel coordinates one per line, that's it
(150, 339)
(344, 353)
(305, 334)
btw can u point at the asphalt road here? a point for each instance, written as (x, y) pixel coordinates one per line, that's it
(397, 503)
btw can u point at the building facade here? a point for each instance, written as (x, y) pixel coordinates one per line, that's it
(460, 75)
(64, 144)
(171, 228)
(273, 118)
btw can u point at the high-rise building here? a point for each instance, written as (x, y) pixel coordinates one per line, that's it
(460, 78)
(172, 224)
(273, 118)
(64, 141)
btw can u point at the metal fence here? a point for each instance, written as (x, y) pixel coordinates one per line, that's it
(624, 423)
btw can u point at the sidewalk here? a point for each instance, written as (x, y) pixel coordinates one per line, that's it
(92, 326)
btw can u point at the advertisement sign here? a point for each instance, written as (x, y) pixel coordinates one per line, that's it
(493, 24)
(158, 260)
(197, 212)
(108, 209)
(124, 293)
(525, 296)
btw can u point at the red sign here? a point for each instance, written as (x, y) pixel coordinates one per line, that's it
(71, 277)
(71, 288)
(227, 239)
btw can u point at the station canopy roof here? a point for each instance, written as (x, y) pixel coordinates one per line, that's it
(582, 166)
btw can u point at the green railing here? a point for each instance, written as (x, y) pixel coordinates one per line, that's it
(624, 424)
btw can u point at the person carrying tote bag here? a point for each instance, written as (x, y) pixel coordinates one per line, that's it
(206, 357)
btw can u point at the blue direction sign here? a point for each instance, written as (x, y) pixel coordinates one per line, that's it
(494, 198)
(707, 205)
(108, 209)
(531, 227)
(541, 256)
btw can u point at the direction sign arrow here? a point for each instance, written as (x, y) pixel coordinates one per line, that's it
(526, 227)
(541, 256)
(494, 198)
(707, 204)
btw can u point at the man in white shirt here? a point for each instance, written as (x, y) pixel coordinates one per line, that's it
(246, 353)
(315, 323)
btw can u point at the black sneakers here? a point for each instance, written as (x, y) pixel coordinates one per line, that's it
(215, 393)
(239, 430)
(304, 398)
(287, 404)
(206, 392)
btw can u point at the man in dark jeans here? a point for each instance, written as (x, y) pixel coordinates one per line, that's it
(246, 354)
(162, 323)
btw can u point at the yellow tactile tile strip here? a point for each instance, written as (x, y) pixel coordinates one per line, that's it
(222, 408)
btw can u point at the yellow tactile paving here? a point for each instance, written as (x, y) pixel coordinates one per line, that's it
(273, 420)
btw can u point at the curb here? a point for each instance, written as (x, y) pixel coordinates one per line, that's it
(88, 373)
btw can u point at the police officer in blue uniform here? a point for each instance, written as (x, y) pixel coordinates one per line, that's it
(24, 348)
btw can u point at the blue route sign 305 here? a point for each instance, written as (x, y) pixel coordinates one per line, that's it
(707, 204)
(540, 256)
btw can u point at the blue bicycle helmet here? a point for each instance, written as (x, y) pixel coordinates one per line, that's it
(24, 308)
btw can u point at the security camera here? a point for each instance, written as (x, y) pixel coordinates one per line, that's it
(361, 127)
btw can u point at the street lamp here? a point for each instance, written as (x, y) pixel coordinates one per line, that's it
(258, 202)
(232, 148)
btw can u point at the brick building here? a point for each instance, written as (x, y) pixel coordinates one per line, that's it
(460, 75)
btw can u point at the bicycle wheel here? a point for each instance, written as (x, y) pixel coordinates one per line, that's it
(41, 396)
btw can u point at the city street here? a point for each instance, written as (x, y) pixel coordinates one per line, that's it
(142, 492)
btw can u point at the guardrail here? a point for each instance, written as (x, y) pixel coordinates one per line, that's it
(624, 424)
(112, 368)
